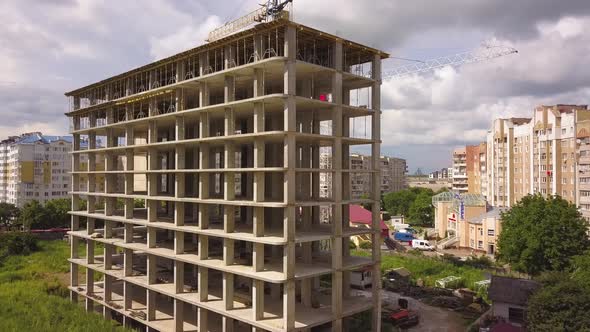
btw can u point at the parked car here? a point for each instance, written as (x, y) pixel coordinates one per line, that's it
(408, 230)
(404, 318)
(422, 245)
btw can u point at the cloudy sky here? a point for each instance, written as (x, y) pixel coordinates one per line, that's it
(48, 47)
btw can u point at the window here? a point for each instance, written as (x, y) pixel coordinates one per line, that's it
(491, 232)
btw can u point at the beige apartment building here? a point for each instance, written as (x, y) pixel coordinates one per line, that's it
(535, 155)
(476, 158)
(460, 183)
(209, 209)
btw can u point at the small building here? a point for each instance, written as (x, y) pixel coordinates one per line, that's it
(509, 298)
(359, 217)
(361, 278)
(481, 232)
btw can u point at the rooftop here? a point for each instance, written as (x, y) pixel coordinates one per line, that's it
(206, 46)
(511, 290)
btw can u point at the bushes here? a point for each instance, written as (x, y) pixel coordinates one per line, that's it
(351, 245)
(365, 245)
(429, 269)
(15, 243)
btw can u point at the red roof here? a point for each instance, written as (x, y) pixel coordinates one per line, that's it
(358, 215)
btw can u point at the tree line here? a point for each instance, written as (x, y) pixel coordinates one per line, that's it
(35, 215)
(413, 203)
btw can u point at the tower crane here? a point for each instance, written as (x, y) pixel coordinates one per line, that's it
(487, 52)
(275, 9)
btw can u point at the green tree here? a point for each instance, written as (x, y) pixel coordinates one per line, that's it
(8, 214)
(421, 211)
(561, 304)
(398, 203)
(56, 211)
(541, 234)
(33, 215)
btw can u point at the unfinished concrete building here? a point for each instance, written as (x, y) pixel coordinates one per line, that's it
(208, 217)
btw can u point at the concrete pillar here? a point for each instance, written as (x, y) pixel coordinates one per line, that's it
(228, 290)
(376, 193)
(203, 319)
(289, 305)
(258, 299)
(151, 269)
(203, 283)
(151, 304)
(178, 315)
(89, 251)
(127, 299)
(178, 277)
(127, 262)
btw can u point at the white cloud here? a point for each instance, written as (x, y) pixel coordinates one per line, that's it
(187, 37)
(457, 106)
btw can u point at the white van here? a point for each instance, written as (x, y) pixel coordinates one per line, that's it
(422, 245)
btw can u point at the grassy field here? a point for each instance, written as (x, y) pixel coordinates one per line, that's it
(429, 269)
(34, 297)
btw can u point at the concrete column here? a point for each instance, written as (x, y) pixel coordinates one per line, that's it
(203, 217)
(89, 251)
(151, 269)
(259, 82)
(258, 256)
(108, 256)
(108, 287)
(258, 299)
(202, 319)
(178, 315)
(178, 277)
(203, 283)
(228, 290)
(89, 281)
(74, 278)
(179, 242)
(151, 304)
(127, 262)
(227, 324)
(289, 305)
(376, 193)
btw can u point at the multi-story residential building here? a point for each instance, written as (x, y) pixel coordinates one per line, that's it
(200, 253)
(476, 168)
(393, 174)
(583, 163)
(460, 183)
(535, 155)
(508, 160)
(34, 167)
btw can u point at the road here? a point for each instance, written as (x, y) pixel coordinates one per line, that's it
(432, 319)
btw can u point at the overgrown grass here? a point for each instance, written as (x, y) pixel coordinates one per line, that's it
(33, 294)
(429, 269)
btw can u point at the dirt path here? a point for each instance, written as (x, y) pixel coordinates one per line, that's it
(432, 319)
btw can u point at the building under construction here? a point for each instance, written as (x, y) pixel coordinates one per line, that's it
(201, 210)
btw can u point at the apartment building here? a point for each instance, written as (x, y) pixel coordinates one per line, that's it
(583, 163)
(393, 174)
(460, 183)
(34, 167)
(476, 156)
(535, 155)
(221, 146)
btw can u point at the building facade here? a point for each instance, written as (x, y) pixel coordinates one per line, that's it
(460, 183)
(393, 174)
(476, 158)
(541, 154)
(34, 167)
(212, 193)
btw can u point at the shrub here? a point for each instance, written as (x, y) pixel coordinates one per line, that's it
(16, 243)
(351, 245)
(365, 245)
